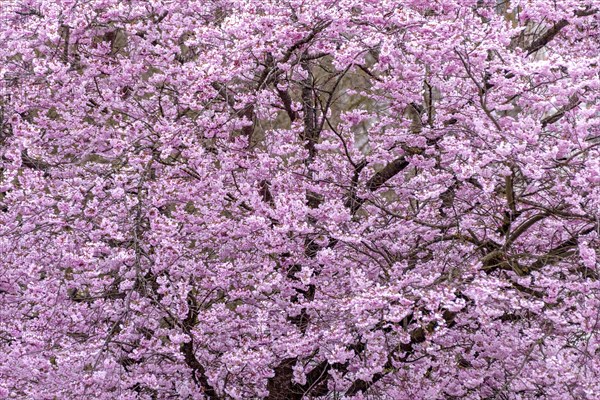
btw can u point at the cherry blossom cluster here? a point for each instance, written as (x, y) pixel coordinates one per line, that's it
(300, 199)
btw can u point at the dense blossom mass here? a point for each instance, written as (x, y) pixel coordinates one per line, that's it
(299, 199)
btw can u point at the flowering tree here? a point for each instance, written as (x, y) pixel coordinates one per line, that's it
(217, 199)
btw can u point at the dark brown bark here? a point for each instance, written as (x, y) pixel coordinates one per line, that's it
(555, 30)
(187, 349)
(387, 173)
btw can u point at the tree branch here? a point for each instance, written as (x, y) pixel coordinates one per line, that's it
(387, 173)
(555, 30)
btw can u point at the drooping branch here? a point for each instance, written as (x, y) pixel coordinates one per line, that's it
(551, 33)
